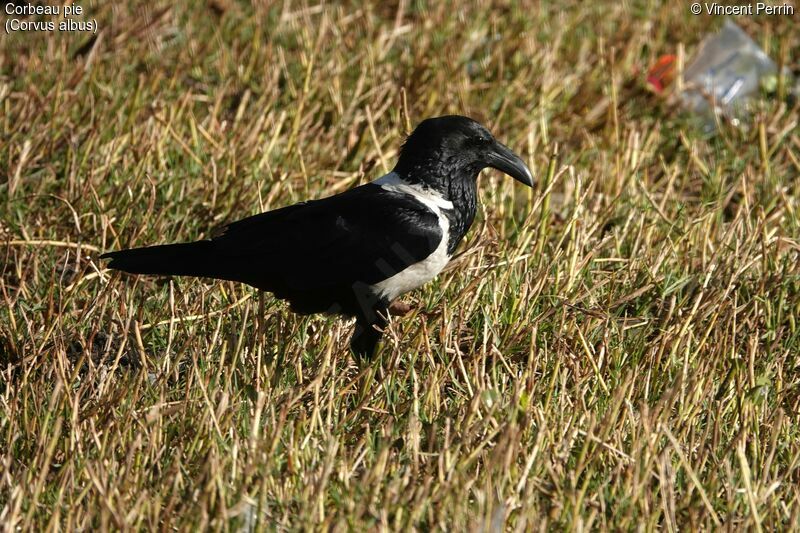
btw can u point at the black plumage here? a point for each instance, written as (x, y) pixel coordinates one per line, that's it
(354, 252)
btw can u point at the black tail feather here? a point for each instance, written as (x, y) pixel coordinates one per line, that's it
(184, 259)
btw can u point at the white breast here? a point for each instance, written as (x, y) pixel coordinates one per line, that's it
(422, 272)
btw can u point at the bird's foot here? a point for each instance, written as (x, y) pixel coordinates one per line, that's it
(400, 308)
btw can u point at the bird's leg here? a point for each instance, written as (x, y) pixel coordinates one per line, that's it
(369, 330)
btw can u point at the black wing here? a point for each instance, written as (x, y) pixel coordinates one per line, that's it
(363, 235)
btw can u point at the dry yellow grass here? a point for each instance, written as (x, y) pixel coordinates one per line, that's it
(616, 350)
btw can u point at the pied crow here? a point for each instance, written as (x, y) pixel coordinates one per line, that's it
(355, 252)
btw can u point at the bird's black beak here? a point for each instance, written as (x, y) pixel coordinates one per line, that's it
(503, 159)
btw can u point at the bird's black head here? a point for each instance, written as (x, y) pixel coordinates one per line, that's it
(453, 147)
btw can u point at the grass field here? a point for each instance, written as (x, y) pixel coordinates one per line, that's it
(616, 349)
